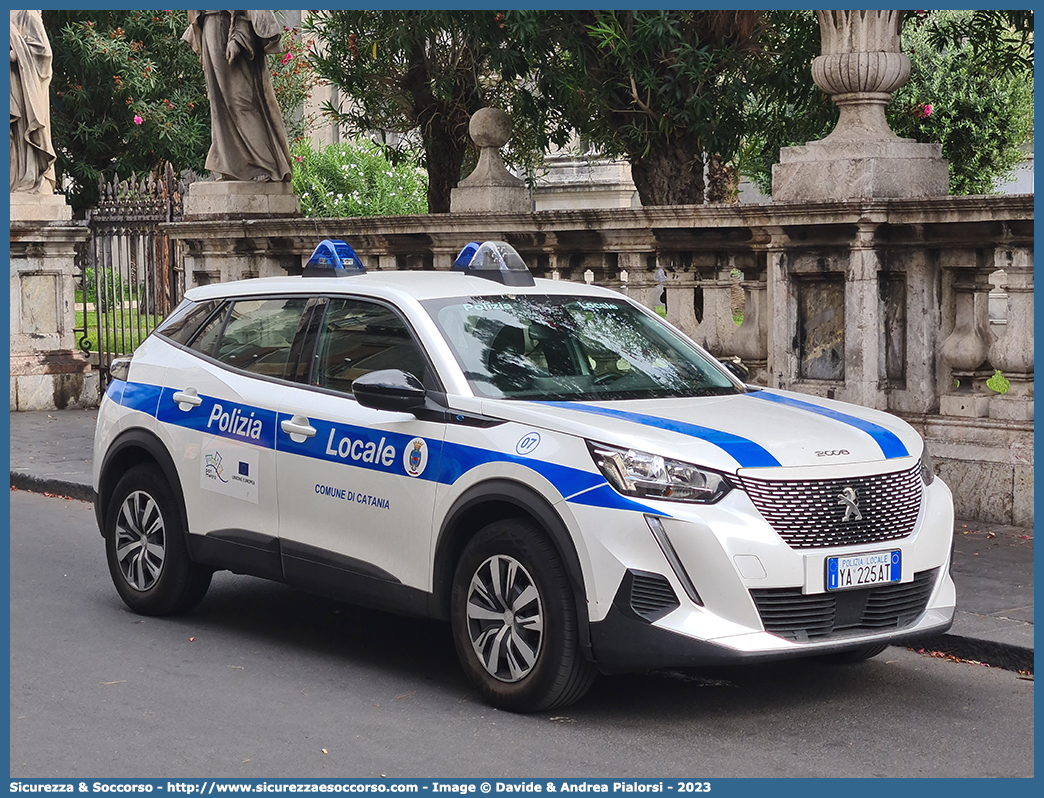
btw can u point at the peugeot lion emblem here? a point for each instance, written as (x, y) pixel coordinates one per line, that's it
(848, 498)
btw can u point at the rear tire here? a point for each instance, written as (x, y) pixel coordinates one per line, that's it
(145, 547)
(514, 620)
(856, 654)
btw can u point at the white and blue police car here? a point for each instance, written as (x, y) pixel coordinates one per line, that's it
(555, 470)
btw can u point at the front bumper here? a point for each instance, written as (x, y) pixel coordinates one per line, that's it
(627, 640)
(716, 584)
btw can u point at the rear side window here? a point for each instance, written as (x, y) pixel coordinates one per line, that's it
(257, 335)
(183, 323)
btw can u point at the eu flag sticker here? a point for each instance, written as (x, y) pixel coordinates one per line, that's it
(244, 469)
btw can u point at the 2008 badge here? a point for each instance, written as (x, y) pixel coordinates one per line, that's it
(415, 458)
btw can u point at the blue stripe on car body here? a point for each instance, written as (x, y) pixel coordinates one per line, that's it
(448, 462)
(115, 391)
(745, 452)
(891, 446)
(141, 396)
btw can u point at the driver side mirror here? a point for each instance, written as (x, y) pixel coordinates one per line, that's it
(389, 389)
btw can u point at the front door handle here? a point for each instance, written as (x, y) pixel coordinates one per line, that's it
(298, 428)
(187, 399)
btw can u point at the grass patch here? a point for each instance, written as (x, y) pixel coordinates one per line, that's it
(122, 334)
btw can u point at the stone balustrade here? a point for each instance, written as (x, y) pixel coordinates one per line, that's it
(879, 302)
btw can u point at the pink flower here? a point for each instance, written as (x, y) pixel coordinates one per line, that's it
(286, 58)
(926, 110)
(138, 120)
(300, 158)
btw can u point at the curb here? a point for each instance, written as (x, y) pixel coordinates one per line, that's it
(59, 487)
(989, 652)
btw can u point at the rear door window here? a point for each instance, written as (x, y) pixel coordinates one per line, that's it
(358, 337)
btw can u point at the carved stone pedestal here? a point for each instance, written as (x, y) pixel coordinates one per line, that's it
(48, 372)
(240, 199)
(27, 207)
(824, 170)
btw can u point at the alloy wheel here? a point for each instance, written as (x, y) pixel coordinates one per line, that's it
(505, 618)
(140, 540)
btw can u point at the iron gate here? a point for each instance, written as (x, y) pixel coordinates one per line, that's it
(130, 273)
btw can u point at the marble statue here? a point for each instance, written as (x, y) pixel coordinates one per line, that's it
(32, 154)
(248, 139)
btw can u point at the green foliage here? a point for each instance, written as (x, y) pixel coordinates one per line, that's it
(662, 88)
(969, 67)
(356, 180)
(127, 95)
(998, 382)
(787, 109)
(998, 38)
(420, 75)
(981, 112)
(293, 78)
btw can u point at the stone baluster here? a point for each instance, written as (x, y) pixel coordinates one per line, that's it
(1012, 353)
(680, 287)
(750, 341)
(718, 327)
(966, 349)
(642, 285)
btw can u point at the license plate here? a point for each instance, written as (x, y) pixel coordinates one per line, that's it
(864, 570)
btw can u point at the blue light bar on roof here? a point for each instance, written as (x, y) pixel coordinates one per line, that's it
(494, 260)
(333, 258)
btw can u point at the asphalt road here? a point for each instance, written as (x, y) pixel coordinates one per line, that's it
(261, 679)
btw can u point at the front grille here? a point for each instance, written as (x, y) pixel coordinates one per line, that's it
(810, 514)
(789, 613)
(652, 596)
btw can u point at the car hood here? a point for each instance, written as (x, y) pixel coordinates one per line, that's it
(759, 429)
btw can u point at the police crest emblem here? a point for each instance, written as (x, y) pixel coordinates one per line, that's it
(415, 458)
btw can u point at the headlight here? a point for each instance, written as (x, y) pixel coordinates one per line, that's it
(635, 473)
(927, 466)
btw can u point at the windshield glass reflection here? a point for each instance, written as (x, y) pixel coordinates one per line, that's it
(571, 348)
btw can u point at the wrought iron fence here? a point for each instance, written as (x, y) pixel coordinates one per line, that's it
(130, 273)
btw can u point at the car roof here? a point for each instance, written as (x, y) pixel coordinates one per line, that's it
(418, 285)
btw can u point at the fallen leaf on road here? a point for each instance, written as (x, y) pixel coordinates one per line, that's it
(952, 658)
(121, 681)
(324, 750)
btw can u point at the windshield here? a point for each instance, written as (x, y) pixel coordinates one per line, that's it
(571, 348)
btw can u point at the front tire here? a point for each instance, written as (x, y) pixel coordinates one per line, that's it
(145, 547)
(514, 620)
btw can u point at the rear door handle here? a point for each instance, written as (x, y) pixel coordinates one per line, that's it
(187, 399)
(298, 428)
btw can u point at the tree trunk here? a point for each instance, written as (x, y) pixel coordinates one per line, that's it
(669, 174)
(722, 182)
(444, 154)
